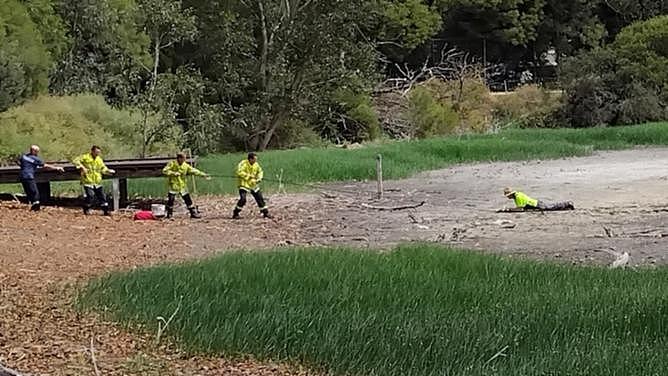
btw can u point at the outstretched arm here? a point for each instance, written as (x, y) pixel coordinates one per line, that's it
(106, 170)
(193, 171)
(47, 166)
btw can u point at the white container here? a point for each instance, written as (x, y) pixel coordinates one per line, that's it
(158, 210)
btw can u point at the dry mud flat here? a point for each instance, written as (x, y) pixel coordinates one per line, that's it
(622, 207)
(621, 200)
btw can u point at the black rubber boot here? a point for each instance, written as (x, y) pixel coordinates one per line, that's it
(235, 214)
(105, 211)
(35, 207)
(265, 213)
(194, 213)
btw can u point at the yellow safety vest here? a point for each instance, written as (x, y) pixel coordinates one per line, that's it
(249, 175)
(522, 200)
(95, 168)
(176, 176)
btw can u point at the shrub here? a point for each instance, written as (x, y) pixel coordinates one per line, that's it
(429, 116)
(294, 134)
(624, 83)
(357, 118)
(469, 97)
(528, 106)
(67, 126)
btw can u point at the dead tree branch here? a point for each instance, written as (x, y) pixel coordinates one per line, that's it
(393, 208)
(451, 64)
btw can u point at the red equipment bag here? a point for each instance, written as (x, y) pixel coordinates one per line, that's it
(144, 215)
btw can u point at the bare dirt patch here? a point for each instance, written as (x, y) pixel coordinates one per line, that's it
(44, 256)
(620, 199)
(621, 202)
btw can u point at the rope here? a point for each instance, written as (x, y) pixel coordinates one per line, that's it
(293, 183)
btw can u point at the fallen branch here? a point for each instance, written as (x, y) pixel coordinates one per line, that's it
(4, 371)
(393, 208)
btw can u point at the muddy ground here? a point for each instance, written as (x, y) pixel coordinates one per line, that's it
(620, 200)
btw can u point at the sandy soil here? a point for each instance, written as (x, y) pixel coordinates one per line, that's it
(621, 207)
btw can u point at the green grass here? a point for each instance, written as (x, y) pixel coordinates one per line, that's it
(419, 310)
(403, 158)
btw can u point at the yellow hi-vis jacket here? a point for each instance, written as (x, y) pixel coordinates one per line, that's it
(95, 168)
(249, 175)
(522, 200)
(176, 176)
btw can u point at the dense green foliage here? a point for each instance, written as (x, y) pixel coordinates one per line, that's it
(68, 126)
(418, 310)
(257, 74)
(623, 83)
(24, 59)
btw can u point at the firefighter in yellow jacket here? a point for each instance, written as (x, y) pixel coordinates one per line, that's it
(92, 167)
(249, 175)
(524, 202)
(176, 172)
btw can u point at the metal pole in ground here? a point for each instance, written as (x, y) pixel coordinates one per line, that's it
(379, 175)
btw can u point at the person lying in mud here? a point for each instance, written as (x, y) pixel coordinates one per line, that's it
(525, 203)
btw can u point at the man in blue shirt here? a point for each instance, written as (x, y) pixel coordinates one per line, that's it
(30, 162)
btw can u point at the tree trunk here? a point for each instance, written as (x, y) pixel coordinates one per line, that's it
(271, 129)
(264, 49)
(151, 93)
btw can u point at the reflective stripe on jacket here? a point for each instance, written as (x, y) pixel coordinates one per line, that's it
(176, 175)
(95, 168)
(249, 175)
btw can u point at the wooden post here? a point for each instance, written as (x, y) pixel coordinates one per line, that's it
(44, 189)
(123, 190)
(379, 175)
(116, 193)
